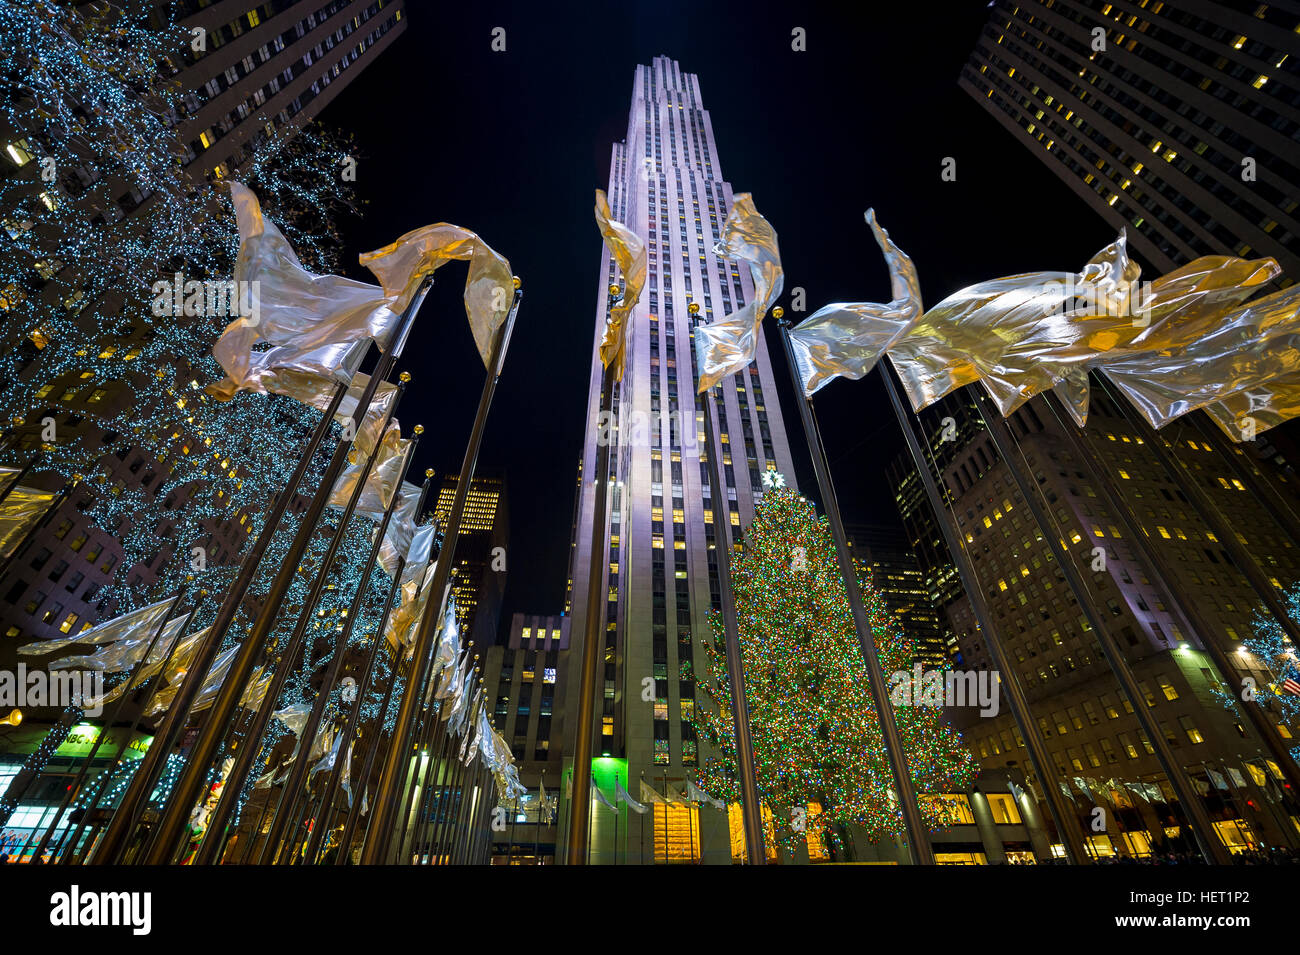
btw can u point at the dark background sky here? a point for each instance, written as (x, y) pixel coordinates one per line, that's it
(513, 144)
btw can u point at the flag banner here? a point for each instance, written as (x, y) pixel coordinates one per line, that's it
(400, 535)
(18, 513)
(846, 339)
(695, 794)
(629, 252)
(727, 345)
(306, 319)
(402, 265)
(174, 672)
(1217, 778)
(601, 797)
(1246, 367)
(132, 626)
(382, 481)
(126, 652)
(460, 697)
(651, 795)
(326, 762)
(473, 730)
(345, 777)
(447, 646)
(1238, 780)
(1186, 340)
(413, 597)
(367, 430)
(1020, 335)
(621, 793)
(252, 696)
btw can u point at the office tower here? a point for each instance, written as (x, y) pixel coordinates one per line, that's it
(1090, 730)
(1177, 120)
(272, 67)
(895, 573)
(479, 579)
(527, 676)
(666, 184)
(949, 427)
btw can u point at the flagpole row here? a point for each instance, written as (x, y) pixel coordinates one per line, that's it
(1211, 846)
(1067, 822)
(379, 835)
(351, 718)
(287, 654)
(114, 840)
(298, 775)
(355, 811)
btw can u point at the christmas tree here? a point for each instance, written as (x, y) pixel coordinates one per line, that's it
(820, 758)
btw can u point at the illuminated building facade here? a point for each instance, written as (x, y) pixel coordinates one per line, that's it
(1177, 120)
(529, 674)
(481, 558)
(660, 580)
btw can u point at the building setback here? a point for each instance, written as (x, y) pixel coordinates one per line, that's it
(660, 579)
(1178, 120)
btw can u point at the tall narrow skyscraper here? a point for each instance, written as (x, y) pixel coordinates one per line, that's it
(666, 184)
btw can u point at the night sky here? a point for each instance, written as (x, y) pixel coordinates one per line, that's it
(513, 144)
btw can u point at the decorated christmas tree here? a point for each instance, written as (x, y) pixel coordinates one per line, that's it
(820, 758)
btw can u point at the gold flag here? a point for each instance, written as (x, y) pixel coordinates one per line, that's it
(489, 288)
(309, 321)
(847, 339)
(629, 252)
(726, 346)
(1245, 372)
(382, 481)
(1023, 334)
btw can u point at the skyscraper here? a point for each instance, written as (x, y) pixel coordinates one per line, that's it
(1176, 119)
(1090, 729)
(481, 558)
(666, 184)
(527, 675)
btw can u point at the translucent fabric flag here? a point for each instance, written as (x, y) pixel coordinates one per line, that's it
(138, 624)
(1021, 335)
(380, 484)
(414, 598)
(1245, 372)
(309, 321)
(399, 537)
(489, 288)
(175, 670)
(629, 252)
(19, 511)
(846, 339)
(727, 345)
(123, 654)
